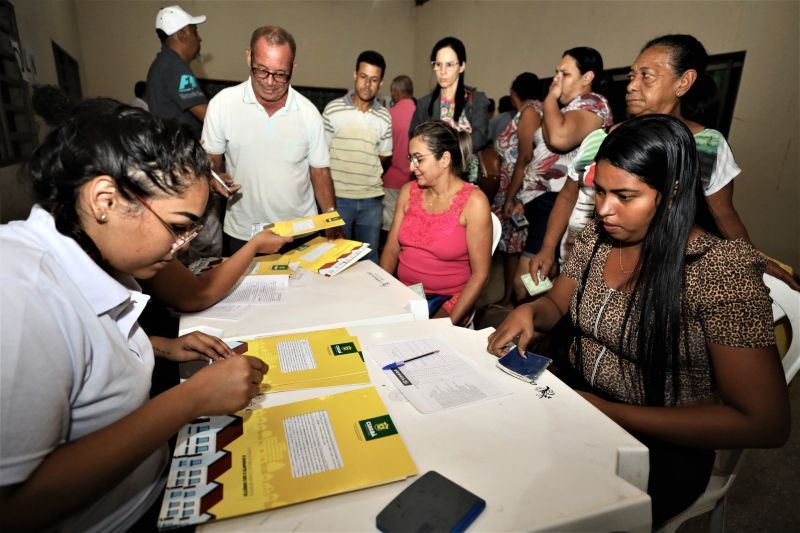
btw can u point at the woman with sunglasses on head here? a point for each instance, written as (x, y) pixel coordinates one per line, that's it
(667, 77)
(462, 107)
(672, 326)
(118, 193)
(441, 235)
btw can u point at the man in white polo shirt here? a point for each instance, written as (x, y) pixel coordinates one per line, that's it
(359, 134)
(271, 141)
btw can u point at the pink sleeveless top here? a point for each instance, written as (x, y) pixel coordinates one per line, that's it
(433, 248)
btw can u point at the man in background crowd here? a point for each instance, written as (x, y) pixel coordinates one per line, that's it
(271, 141)
(397, 175)
(358, 130)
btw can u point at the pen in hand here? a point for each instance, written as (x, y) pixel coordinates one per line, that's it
(398, 364)
(221, 181)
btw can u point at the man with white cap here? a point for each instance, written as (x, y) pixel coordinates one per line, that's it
(172, 90)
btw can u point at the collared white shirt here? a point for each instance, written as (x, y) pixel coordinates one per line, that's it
(74, 360)
(269, 156)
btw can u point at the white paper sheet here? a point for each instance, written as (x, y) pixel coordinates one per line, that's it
(258, 290)
(436, 382)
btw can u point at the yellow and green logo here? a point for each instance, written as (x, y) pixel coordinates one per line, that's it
(343, 348)
(378, 427)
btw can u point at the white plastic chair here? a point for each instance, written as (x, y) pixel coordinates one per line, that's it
(785, 303)
(497, 232)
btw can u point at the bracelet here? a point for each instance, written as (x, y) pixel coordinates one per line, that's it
(330, 210)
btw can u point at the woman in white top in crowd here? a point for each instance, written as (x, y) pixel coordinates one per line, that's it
(82, 448)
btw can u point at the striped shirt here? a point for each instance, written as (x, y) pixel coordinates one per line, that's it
(356, 141)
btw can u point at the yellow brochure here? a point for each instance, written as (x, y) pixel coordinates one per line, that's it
(305, 225)
(313, 359)
(270, 265)
(327, 257)
(253, 461)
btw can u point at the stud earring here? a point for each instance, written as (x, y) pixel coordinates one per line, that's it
(103, 217)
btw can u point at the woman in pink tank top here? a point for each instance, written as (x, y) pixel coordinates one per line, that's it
(442, 230)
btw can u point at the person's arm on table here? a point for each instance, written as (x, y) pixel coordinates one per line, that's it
(529, 122)
(754, 411)
(539, 316)
(479, 247)
(391, 250)
(177, 287)
(557, 224)
(564, 131)
(191, 347)
(78, 473)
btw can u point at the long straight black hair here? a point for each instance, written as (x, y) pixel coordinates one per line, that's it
(461, 91)
(661, 151)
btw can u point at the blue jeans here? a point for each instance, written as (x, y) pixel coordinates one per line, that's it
(362, 221)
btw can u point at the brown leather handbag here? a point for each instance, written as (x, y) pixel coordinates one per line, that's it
(489, 179)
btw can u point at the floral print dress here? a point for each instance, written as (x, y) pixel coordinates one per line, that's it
(513, 238)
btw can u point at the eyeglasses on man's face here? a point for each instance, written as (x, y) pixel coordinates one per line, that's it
(415, 159)
(448, 65)
(181, 237)
(263, 74)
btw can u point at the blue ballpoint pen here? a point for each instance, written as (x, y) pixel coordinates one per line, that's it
(398, 364)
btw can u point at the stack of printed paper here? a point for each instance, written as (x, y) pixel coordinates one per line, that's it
(227, 466)
(327, 257)
(313, 359)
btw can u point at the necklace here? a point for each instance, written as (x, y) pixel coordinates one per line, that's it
(621, 268)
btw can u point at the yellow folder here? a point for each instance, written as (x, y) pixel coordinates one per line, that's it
(227, 466)
(313, 359)
(306, 225)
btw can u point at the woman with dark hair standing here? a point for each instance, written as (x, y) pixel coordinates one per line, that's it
(672, 325)
(452, 101)
(441, 235)
(118, 193)
(562, 130)
(515, 146)
(667, 77)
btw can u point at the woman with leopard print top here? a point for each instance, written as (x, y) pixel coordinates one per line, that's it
(672, 325)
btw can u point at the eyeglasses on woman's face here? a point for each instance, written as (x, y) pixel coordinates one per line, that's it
(447, 65)
(415, 159)
(262, 74)
(180, 238)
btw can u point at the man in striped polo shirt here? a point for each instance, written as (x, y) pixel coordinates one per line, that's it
(359, 134)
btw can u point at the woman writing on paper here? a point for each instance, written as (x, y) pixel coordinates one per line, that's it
(441, 235)
(118, 193)
(672, 325)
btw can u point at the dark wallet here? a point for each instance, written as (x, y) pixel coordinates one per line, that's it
(432, 503)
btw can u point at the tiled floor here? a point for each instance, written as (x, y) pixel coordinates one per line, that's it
(766, 494)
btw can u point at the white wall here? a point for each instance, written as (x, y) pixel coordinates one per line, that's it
(115, 42)
(39, 23)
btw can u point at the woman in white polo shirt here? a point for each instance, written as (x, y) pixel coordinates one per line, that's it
(118, 193)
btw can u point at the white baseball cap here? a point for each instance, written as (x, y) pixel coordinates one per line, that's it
(173, 18)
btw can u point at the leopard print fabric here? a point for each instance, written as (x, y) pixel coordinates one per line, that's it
(728, 304)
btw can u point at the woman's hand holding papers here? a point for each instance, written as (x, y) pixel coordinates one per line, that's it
(190, 347)
(225, 387)
(267, 242)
